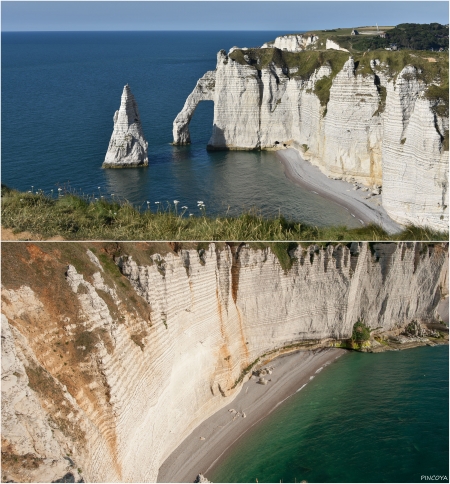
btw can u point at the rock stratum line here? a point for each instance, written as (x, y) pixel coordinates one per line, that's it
(112, 354)
(369, 121)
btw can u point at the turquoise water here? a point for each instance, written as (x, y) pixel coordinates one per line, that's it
(367, 418)
(59, 94)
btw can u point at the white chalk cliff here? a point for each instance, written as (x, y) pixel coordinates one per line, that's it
(378, 127)
(127, 147)
(331, 44)
(292, 42)
(105, 373)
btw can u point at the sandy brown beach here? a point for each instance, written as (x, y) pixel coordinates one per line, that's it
(310, 177)
(211, 440)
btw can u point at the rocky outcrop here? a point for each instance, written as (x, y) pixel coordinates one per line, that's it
(293, 42)
(414, 162)
(366, 123)
(127, 147)
(30, 449)
(331, 44)
(117, 368)
(350, 144)
(203, 91)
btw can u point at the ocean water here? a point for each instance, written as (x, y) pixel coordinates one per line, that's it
(59, 94)
(366, 418)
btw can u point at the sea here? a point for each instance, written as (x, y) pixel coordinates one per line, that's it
(366, 418)
(60, 91)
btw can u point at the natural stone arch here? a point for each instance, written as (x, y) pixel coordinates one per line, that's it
(203, 91)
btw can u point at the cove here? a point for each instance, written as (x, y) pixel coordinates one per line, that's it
(366, 418)
(73, 82)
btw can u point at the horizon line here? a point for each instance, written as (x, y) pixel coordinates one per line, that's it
(164, 30)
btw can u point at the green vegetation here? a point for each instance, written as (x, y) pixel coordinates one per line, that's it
(77, 219)
(281, 250)
(322, 90)
(439, 94)
(109, 265)
(388, 62)
(407, 36)
(244, 372)
(392, 63)
(87, 340)
(381, 340)
(40, 380)
(305, 62)
(360, 333)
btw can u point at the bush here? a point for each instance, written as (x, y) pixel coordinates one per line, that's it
(361, 332)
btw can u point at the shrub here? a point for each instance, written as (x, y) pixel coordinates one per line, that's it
(361, 332)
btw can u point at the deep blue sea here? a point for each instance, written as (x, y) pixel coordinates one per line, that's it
(366, 418)
(59, 94)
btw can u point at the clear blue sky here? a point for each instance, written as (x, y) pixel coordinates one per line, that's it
(212, 15)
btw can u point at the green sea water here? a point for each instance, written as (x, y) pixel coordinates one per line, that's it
(366, 418)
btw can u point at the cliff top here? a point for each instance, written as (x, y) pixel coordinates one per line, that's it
(432, 68)
(405, 36)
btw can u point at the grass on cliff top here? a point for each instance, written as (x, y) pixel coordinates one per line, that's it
(434, 73)
(75, 218)
(306, 62)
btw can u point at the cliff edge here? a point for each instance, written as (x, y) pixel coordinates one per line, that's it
(379, 118)
(113, 353)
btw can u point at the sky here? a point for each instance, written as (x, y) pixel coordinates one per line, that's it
(214, 15)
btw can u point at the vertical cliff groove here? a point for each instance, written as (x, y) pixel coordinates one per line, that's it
(373, 124)
(134, 387)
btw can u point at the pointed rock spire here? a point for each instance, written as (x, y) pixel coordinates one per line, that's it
(127, 147)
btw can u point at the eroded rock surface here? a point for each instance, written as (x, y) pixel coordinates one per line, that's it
(293, 42)
(114, 368)
(377, 127)
(127, 147)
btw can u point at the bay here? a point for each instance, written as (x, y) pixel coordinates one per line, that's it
(59, 94)
(366, 418)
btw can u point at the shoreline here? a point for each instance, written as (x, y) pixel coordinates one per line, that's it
(213, 438)
(308, 176)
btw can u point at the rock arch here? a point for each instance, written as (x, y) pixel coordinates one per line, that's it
(203, 91)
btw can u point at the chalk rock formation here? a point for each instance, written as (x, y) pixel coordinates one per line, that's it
(124, 367)
(203, 91)
(350, 145)
(415, 165)
(293, 42)
(127, 147)
(330, 44)
(359, 134)
(31, 448)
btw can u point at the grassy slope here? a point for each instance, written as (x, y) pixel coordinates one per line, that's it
(76, 219)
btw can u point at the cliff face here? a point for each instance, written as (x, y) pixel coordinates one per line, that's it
(127, 146)
(113, 369)
(292, 43)
(375, 126)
